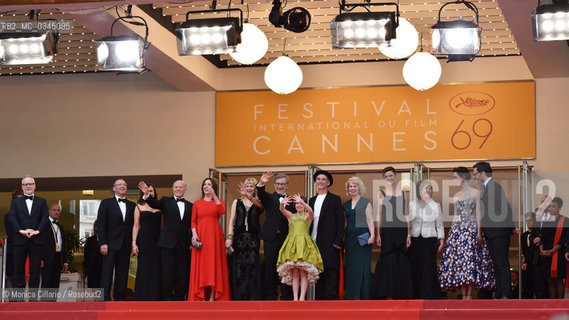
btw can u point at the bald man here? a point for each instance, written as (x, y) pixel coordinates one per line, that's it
(54, 260)
(174, 241)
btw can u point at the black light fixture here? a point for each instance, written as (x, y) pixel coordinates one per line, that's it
(296, 19)
(363, 29)
(209, 36)
(123, 53)
(551, 21)
(458, 39)
(31, 47)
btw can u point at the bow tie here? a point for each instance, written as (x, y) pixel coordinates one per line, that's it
(179, 199)
(28, 197)
(55, 222)
(122, 200)
(282, 195)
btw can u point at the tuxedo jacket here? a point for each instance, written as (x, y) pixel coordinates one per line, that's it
(48, 252)
(330, 228)
(497, 219)
(21, 219)
(275, 222)
(111, 228)
(174, 228)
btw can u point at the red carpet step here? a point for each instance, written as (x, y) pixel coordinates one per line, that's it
(289, 310)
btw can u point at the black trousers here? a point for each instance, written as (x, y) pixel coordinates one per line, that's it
(270, 276)
(499, 248)
(21, 253)
(175, 272)
(328, 285)
(116, 262)
(50, 277)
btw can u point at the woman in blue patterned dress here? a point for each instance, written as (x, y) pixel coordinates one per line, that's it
(465, 262)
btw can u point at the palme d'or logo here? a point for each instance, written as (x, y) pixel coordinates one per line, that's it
(472, 103)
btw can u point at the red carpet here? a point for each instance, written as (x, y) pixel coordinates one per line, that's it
(328, 310)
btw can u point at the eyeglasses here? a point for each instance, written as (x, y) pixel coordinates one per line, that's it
(280, 184)
(28, 184)
(120, 184)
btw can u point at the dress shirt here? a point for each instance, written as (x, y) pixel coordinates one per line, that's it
(426, 221)
(181, 206)
(56, 234)
(29, 203)
(317, 208)
(122, 205)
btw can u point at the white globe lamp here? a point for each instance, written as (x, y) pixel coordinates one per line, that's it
(405, 44)
(253, 46)
(283, 75)
(422, 71)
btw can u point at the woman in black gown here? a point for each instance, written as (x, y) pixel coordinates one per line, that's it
(145, 233)
(393, 270)
(243, 238)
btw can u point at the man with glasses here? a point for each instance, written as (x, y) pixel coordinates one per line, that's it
(273, 232)
(497, 225)
(27, 216)
(114, 227)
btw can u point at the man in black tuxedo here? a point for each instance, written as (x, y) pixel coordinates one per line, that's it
(114, 226)
(327, 230)
(273, 233)
(497, 226)
(54, 260)
(174, 241)
(27, 216)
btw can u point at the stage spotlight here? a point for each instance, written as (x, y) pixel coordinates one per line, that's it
(363, 29)
(551, 21)
(125, 52)
(209, 36)
(296, 19)
(458, 39)
(27, 48)
(120, 53)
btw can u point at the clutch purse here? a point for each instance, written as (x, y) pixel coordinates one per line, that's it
(198, 245)
(364, 238)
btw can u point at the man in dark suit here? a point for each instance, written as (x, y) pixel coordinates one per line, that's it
(27, 216)
(327, 230)
(497, 226)
(174, 241)
(54, 260)
(114, 226)
(273, 232)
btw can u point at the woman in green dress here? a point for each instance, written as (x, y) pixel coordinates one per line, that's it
(299, 259)
(359, 215)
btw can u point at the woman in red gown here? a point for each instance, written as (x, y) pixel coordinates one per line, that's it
(209, 279)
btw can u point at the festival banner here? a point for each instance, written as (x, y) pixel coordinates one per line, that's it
(376, 125)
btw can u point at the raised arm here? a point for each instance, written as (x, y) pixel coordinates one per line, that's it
(151, 201)
(283, 209)
(298, 199)
(254, 200)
